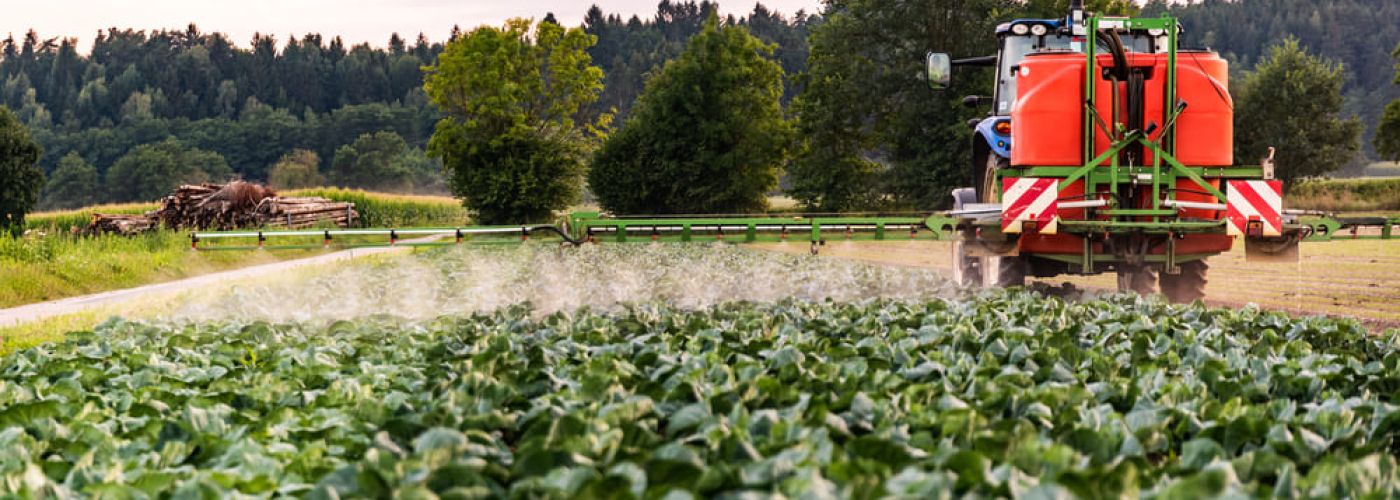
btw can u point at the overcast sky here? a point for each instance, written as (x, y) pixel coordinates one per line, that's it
(354, 20)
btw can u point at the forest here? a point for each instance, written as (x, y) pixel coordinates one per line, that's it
(308, 109)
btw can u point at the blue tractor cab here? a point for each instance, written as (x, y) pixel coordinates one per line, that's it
(1015, 40)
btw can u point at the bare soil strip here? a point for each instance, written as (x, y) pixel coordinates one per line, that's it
(1351, 278)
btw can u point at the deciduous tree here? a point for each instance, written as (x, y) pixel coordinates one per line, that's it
(707, 135)
(75, 183)
(873, 134)
(374, 161)
(1387, 139)
(514, 129)
(297, 169)
(20, 177)
(150, 171)
(1292, 101)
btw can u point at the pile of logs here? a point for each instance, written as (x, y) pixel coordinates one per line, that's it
(242, 205)
(297, 213)
(122, 224)
(222, 207)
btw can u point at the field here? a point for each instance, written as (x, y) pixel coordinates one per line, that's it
(1347, 278)
(396, 210)
(631, 371)
(51, 264)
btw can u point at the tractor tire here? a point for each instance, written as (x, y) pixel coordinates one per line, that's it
(1141, 280)
(1187, 287)
(967, 271)
(986, 177)
(1006, 272)
(1003, 272)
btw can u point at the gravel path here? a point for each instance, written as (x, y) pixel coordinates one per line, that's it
(34, 312)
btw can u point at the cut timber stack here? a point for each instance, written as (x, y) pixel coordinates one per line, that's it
(186, 209)
(123, 224)
(241, 204)
(297, 213)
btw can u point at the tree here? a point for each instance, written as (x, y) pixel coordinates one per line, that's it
(514, 131)
(22, 179)
(150, 171)
(1387, 139)
(873, 133)
(75, 183)
(297, 169)
(374, 161)
(427, 171)
(707, 135)
(1292, 101)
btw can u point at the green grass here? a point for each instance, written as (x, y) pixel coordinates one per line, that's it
(50, 267)
(395, 210)
(51, 264)
(65, 220)
(1346, 195)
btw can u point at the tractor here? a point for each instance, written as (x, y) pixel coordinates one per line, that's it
(1108, 149)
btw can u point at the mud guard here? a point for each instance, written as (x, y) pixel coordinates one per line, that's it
(1282, 249)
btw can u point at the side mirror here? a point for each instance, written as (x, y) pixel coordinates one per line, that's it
(940, 70)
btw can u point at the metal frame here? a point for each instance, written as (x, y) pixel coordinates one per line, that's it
(1104, 171)
(593, 227)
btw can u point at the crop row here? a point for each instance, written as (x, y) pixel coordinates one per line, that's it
(1000, 394)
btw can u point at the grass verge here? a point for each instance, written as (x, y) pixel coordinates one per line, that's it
(1346, 195)
(51, 267)
(50, 264)
(66, 220)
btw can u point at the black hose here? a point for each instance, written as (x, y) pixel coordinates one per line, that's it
(555, 230)
(1120, 56)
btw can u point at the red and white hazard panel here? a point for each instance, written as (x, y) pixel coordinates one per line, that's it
(1256, 202)
(1029, 199)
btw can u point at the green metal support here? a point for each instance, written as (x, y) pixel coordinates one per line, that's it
(1112, 152)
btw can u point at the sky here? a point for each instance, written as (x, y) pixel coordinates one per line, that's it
(353, 20)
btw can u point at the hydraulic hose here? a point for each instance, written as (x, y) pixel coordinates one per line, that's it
(1120, 56)
(555, 230)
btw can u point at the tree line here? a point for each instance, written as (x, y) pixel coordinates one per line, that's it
(273, 101)
(683, 112)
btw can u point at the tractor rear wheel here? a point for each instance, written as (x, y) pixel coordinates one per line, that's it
(1008, 271)
(1004, 272)
(1141, 280)
(1187, 287)
(967, 271)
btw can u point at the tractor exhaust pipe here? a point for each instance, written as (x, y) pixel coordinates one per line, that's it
(1076, 17)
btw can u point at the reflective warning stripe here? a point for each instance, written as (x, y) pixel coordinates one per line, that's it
(1254, 200)
(1029, 199)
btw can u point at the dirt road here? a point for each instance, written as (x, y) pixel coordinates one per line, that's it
(34, 312)
(1352, 278)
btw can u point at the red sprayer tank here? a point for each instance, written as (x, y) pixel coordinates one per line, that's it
(1205, 131)
(1047, 127)
(1047, 119)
